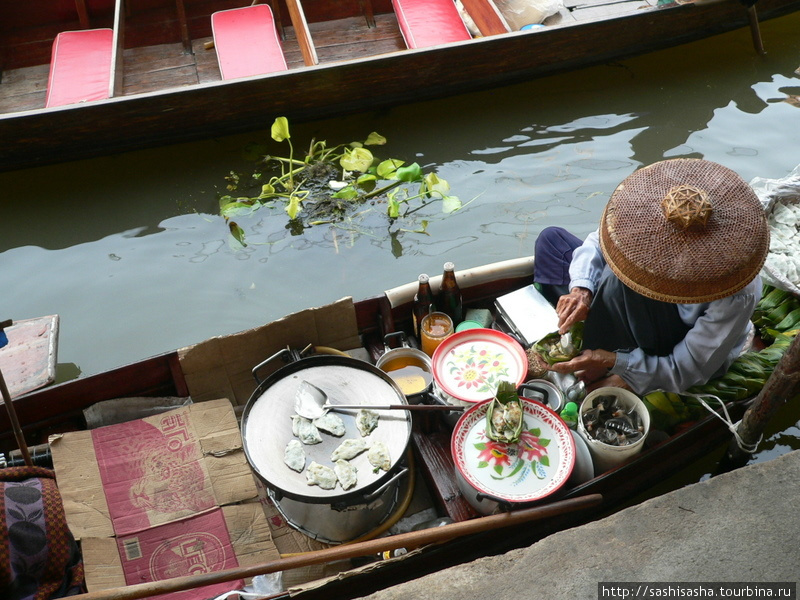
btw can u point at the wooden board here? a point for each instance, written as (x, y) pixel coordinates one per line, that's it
(28, 362)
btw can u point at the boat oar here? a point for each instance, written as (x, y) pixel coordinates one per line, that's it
(12, 412)
(413, 539)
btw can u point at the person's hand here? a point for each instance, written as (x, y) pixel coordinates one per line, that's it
(573, 308)
(589, 366)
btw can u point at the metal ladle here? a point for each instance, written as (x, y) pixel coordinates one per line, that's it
(311, 402)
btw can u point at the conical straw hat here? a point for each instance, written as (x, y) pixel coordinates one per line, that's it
(684, 231)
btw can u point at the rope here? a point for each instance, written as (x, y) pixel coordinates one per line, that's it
(733, 427)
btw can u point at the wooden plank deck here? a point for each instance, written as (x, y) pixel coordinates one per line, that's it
(166, 66)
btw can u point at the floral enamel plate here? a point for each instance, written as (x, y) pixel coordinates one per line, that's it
(533, 468)
(469, 364)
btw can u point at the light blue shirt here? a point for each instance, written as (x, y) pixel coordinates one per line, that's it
(719, 330)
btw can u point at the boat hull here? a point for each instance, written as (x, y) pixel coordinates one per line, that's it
(137, 121)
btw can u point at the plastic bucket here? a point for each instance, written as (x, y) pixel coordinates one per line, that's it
(605, 456)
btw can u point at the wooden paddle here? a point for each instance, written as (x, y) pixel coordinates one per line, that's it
(410, 540)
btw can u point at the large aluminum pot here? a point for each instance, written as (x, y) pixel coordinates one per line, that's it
(332, 516)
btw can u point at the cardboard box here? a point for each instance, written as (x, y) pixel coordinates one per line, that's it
(160, 497)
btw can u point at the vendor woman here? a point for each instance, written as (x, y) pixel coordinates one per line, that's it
(667, 284)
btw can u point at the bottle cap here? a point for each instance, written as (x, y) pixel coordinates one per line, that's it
(449, 266)
(570, 411)
(423, 277)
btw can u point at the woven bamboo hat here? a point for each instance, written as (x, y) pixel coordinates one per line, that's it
(684, 231)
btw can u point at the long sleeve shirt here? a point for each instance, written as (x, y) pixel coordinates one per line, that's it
(717, 334)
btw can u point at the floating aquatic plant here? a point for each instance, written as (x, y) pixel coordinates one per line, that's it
(331, 184)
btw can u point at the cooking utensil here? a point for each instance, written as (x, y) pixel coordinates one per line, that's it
(311, 402)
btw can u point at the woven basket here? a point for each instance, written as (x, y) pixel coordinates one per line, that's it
(684, 231)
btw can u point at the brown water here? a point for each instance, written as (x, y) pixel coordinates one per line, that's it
(129, 250)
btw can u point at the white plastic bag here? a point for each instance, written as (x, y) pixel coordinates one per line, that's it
(519, 13)
(782, 267)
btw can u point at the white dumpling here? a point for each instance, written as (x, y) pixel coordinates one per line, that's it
(348, 449)
(320, 475)
(330, 423)
(378, 456)
(346, 473)
(366, 421)
(305, 430)
(294, 456)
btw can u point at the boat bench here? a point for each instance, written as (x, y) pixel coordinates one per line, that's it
(86, 64)
(247, 42)
(81, 67)
(429, 22)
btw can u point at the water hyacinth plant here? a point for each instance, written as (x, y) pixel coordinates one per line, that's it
(329, 184)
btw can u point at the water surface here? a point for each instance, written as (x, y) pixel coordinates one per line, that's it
(129, 250)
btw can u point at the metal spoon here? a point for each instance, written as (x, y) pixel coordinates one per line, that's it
(311, 402)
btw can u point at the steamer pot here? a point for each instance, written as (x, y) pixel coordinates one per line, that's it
(495, 475)
(332, 516)
(468, 365)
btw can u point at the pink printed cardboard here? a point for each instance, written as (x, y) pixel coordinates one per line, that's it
(172, 490)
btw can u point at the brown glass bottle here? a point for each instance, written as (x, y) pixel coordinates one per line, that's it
(423, 300)
(450, 301)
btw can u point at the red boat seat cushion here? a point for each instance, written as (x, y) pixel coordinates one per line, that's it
(247, 42)
(429, 22)
(80, 67)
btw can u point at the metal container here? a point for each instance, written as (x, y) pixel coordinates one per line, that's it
(409, 367)
(605, 456)
(541, 390)
(332, 516)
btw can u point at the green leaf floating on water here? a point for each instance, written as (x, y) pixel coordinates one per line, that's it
(356, 159)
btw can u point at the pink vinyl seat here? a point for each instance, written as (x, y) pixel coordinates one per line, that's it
(429, 22)
(247, 42)
(80, 67)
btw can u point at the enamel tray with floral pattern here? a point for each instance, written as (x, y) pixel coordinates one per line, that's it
(531, 469)
(469, 364)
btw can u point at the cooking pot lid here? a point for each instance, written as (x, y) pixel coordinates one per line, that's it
(528, 470)
(267, 424)
(468, 365)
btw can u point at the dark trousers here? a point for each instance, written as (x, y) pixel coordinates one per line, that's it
(619, 318)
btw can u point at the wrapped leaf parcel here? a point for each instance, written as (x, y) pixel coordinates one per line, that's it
(555, 347)
(504, 416)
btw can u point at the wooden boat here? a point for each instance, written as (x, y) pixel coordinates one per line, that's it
(59, 408)
(341, 57)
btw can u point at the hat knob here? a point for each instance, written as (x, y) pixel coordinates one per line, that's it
(687, 207)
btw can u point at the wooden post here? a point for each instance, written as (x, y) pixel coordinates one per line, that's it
(783, 385)
(302, 33)
(755, 30)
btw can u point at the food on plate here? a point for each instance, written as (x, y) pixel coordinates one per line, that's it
(378, 456)
(349, 449)
(330, 423)
(346, 473)
(320, 475)
(294, 456)
(305, 430)
(366, 421)
(504, 416)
